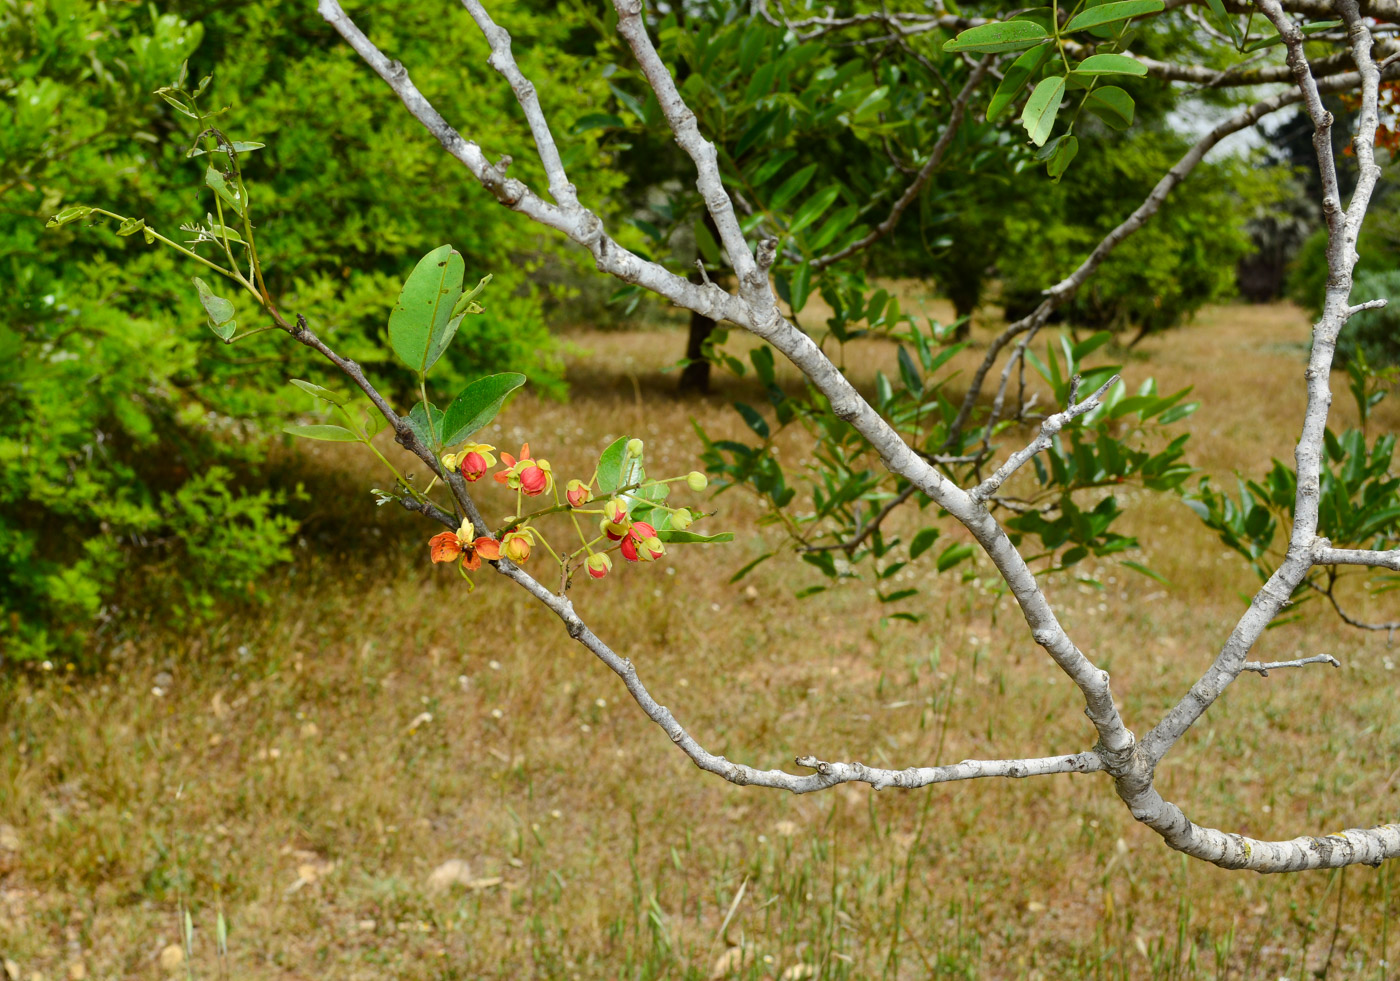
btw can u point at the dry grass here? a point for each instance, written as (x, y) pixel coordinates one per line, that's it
(287, 775)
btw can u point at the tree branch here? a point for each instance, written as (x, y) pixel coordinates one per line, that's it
(1265, 667)
(1327, 555)
(1048, 429)
(1343, 228)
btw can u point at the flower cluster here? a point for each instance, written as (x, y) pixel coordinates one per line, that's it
(634, 520)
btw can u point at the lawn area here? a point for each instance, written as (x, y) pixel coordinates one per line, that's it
(304, 768)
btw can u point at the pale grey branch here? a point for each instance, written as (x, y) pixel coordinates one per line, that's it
(1048, 429)
(1326, 555)
(1263, 668)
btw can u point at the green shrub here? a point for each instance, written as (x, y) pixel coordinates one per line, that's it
(1374, 334)
(102, 341)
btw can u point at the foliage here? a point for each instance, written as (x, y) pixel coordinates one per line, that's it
(847, 493)
(1183, 259)
(1357, 506)
(1373, 336)
(119, 405)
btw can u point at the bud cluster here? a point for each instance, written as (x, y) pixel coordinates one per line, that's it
(633, 520)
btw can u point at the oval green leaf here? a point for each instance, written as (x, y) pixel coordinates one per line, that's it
(324, 394)
(220, 311)
(330, 434)
(419, 320)
(1010, 35)
(1108, 13)
(477, 405)
(1110, 64)
(1041, 108)
(1015, 79)
(1111, 104)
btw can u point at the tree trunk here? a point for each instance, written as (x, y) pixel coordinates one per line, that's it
(695, 377)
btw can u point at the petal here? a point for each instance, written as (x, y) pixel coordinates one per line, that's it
(470, 560)
(445, 547)
(488, 548)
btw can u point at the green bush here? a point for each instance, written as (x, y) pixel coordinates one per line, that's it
(122, 415)
(1373, 334)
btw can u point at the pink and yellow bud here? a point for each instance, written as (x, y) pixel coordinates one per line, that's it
(598, 564)
(613, 530)
(578, 493)
(616, 511)
(516, 546)
(650, 549)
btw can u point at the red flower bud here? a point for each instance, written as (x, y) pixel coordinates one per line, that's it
(628, 548)
(473, 467)
(641, 531)
(533, 480)
(598, 564)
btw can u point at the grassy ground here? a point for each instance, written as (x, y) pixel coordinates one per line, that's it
(303, 770)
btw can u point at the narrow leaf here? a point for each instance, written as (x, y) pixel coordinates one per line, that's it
(324, 394)
(1015, 79)
(330, 434)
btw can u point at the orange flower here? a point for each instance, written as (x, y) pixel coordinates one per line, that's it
(451, 544)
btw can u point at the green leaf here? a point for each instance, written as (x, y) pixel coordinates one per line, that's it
(597, 120)
(1217, 7)
(788, 188)
(952, 555)
(616, 469)
(690, 538)
(1003, 36)
(75, 213)
(801, 287)
(429, 435)
(706, 244)
(238, 147)
(755, 421)
(922, 542)
(464, 303)
(1041, 108)
(1110, 64)
(1064, 153)
(330, 434)
(419, 319)
(1112, 105)
(1144, 570)
(750, 567)
(814, 207)
(324, 394)
(477, 405)
(215, 181)
(1108, 13)
(220, 311)
(1015, 79)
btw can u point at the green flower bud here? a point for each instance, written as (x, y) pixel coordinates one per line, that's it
(696, 481)
(634, 447)
(681, 519)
